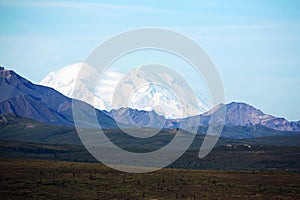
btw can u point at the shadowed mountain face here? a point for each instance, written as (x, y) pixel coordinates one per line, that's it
(32, 107)
(23, 98)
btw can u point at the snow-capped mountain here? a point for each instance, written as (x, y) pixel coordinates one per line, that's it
(64, 81)
(115, 90)
(160, 89)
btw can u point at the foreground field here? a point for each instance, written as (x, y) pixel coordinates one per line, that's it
(30, 179)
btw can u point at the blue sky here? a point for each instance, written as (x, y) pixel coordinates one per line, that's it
(255, 45)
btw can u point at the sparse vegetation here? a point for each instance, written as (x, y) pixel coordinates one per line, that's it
(30, 179)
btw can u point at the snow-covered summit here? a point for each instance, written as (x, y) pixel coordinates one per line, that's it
(100, 93)
(64, 80)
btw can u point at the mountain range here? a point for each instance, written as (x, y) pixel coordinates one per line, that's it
(16, 128)
(237, 114)
(44, 104)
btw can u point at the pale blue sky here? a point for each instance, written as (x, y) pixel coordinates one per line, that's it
(254, 44)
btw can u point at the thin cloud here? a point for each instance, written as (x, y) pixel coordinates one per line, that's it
(81, 5)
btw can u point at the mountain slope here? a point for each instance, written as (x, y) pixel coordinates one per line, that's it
(31, 107)
(41, 103)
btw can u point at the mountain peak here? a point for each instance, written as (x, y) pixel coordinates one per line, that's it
(243, 106)
(8, 74)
